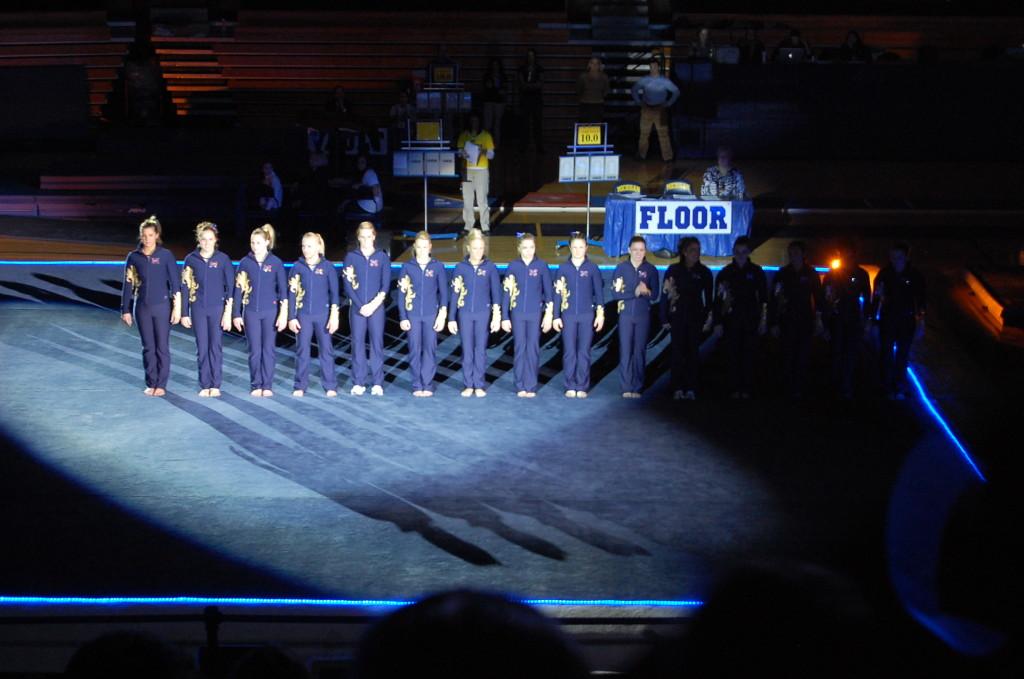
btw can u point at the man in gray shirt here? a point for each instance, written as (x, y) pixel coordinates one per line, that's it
(655, 94)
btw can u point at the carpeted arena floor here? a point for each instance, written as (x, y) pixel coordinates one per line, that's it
(112, 492)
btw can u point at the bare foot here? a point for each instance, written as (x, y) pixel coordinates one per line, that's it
(159, 391)
(426, 394)
(267, 393)
(204, 393)
(570, 393)
(215, 393)
(581, 394)
(521, 394)
(531, 394)
(258, 393)
(298, 393)
(417, 394)
(479, 393)
(331, 393)
(468, 391)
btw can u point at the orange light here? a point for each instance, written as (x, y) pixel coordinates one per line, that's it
(836, 263)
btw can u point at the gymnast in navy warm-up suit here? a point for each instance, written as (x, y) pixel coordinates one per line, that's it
(313, 303)
(152, 292)
(634, 285)
(578, 313)
(526, 311)
(367, 276)
(474, 310)
(260, 307)
(422, 309)
(206, 282)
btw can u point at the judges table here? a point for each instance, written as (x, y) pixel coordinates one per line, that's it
(704, 219)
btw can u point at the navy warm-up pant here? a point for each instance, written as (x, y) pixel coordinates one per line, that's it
(796, 353)
(633, 333)
(526, 356)
(895, 338)
(361, 327)
(209, 347)
(847, 340)
(261, 335)
(577, 337)
(422, 353)
(473, 330)
(154, 324)
(686, 338)
(308, 327)
(740, 340)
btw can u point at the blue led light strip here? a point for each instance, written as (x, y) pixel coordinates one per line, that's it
(943, 425)
(326, 603)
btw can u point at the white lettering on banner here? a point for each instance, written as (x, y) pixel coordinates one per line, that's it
(677, 217)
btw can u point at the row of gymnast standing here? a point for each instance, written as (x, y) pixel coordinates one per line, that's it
(260, 299)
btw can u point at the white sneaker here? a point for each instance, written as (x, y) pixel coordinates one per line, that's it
(377, 390)
(357, 390)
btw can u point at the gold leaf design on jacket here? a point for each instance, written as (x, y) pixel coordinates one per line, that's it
(243, 284)
(188, 279)
(562, 289)
(350, 276)
(511, 286)
(295, 286)
(459, 286)
(405, 287)
(131, 276)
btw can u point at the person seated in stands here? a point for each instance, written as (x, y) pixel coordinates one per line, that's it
(592, 87)
(467, 635)
(271, 190)
(401, 114)
(701, 49)
(853, 49)
(366, 198)
(723, 181)
(751, 48)
(794, 41)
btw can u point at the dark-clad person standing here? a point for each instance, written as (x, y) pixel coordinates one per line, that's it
(899, 305)
(474, 311)
(795, 316)
(634, 287)
(686, 299)
(313, 309)
(151, 294)
(206, 286)
(422, 312)
(367, 277)
(260, 307)
(526, 312)
(578, 314)
(741, 314)
(847, 314)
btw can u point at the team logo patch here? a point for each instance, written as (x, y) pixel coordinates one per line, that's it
(584, 274)
(429, 273)
(214, 265)
(481, 272)
(154, 260)
(375, 263)
(268, 268)
(534, 273)
(319, 271)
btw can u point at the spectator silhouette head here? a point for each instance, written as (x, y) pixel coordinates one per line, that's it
(467, 635)
(129, 655)
(268, 662)
(764, 621)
